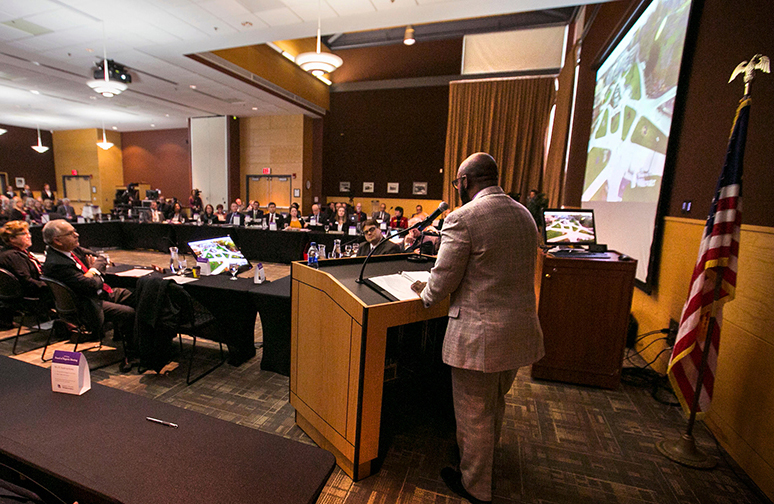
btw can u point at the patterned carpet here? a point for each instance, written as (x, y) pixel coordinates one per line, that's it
(561, 443)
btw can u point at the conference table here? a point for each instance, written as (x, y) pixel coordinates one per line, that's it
(255, 243)
(235, 303)
(99, 448)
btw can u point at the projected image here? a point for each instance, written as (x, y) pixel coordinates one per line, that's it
(569, 227)
(633, 104)
(221, 252)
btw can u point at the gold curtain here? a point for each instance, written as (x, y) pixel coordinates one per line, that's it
(508, 119)
(553, 179)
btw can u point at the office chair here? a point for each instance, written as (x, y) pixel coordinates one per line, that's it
(12, 298)
(78, 321)
(194, 320)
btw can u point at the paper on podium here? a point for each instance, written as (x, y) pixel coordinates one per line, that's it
(399, 284)
(70, 373)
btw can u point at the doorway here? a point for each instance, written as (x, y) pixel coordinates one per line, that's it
(266, 188)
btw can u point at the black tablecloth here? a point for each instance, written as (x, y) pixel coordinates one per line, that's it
(235, 304)
(99, 448)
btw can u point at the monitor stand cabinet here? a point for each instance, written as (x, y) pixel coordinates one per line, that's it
(583, 306)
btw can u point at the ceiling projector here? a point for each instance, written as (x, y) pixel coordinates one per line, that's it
(116, 71)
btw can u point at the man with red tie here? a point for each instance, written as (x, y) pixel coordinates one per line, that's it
(68, 263)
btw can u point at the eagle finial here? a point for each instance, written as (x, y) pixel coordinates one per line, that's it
(757, 62)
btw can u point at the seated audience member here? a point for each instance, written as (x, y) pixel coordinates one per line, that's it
(209, 217)
(47, 193)
(359, 214)
(240, 206)
(420, 213)
(273, 217)
(373, 236)
(66, 210)
(316, 218)
(17, 259)
(9, 192)
(398, 221)
(220, 212)
(381, 215)
(294, 221)
(178, 215)
(340, 221)
(68, 263)
(35, 210)
(411, 242)
(235, 218)
(330, 211)
(18, 212)
(195, 202)
(156, 215)
(26, 192)
(255, 213)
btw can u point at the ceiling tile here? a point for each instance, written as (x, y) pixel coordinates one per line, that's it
(8, 33)
(261, 5)
(236, 22)
(279, 17)
(351, 7)
(309, 12)
(224, 8)
(27, 7)
(60, 19)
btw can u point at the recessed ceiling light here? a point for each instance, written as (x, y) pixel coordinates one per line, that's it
(166, 115)
(255, 108)
(92, 97)
(153, 125)
(192, 86)
(34, 91)
(115, 127)
(89, 49)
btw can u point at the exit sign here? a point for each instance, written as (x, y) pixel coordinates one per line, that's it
(267, 171)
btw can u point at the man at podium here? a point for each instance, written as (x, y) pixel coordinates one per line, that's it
(486, 263)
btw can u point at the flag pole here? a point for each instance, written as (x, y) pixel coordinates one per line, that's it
(684, 450)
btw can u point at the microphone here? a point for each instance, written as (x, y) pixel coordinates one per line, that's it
(430, 218)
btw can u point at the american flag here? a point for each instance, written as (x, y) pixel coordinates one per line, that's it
(718, 255)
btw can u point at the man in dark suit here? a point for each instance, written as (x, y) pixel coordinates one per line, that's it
(316, 218)
(486, 263)
(234, 217)
(68, 263)
(255, 213)
(381, 215)
(26, 192)
(373, 236)
(359, 214)
(47, 193)
(66, 210)
(274, 218)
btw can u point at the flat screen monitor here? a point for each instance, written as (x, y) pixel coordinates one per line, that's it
(220, 252)
(569, 227)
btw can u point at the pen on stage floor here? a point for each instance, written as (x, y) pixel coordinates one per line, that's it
(162, 422)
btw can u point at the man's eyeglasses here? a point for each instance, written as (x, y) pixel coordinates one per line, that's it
(370, 230)
(67, 233)
(456, 182)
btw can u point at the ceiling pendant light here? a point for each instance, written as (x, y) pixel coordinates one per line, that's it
(104, 144)
(318, 63)
(408, 36)
(40, 148)
(106, 87)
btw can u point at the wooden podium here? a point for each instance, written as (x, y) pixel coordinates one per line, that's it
(584, 309)
(338, 342)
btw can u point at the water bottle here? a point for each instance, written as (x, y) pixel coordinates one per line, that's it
(312, 254)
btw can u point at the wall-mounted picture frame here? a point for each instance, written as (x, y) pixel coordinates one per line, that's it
(419, 189)
(20, 182)
(344, 187)
(368, 187)
(296, 193)
(393, 187)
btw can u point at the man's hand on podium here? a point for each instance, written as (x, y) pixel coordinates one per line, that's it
(418, 286)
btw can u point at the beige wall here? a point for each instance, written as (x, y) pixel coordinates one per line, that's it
(371, 205)
(276, 142)
(77, 150)
(743, 402)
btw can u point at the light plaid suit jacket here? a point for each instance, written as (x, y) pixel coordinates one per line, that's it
(486, 262)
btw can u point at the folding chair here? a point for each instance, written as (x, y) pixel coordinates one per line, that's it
(11, 297)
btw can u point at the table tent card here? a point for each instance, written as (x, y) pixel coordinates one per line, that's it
(70, 373)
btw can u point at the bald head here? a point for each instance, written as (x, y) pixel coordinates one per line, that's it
(480, 166)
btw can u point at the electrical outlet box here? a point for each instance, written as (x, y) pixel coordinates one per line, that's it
(674, 326)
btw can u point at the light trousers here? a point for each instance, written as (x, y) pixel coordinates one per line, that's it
(479, 407)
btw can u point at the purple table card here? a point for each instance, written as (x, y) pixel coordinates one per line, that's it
(70, 373)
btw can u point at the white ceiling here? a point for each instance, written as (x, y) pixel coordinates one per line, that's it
(151, 37)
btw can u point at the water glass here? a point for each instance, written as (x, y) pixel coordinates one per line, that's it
(347, 250)
(355, 248)
(321, 249)
(234, 268)
(327, 227)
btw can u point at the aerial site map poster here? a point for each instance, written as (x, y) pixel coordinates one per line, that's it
(634, 101)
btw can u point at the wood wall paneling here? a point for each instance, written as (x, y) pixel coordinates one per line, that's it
(17, 158)
(77, 150)
(160, 158)
(381, 136)
(744, 397)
